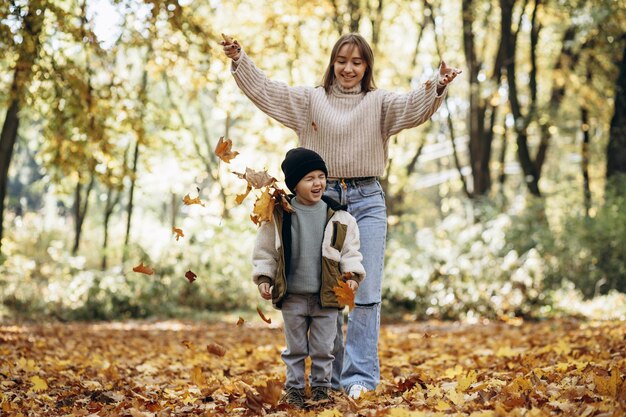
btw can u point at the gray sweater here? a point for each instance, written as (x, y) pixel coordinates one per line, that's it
(350, 130)
(307, 233)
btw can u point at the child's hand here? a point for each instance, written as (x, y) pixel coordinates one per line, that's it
(353, 284)
(264, 290)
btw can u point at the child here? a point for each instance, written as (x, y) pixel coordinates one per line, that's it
(298, 259)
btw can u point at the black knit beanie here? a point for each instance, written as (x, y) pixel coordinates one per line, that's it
(298, 163)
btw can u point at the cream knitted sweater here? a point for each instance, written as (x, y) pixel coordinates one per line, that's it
(350, 130)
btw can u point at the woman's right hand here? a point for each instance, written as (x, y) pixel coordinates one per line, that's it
(232, 49)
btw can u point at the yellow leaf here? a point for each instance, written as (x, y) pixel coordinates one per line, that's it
(27, 365)
(456, 397)
(464, 382)
(442, 406)
(188, 399)
(38, 384)
(607, 385)
(240, 197)
(403, 412)
(505, 351)
(263, 208)
(197, 377)
(331, 413)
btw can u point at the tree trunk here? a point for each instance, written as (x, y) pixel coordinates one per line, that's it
(584, 119)
(480, 126)
(8, 138)
(531, 176)
(131, 196)
(80, 210)
(33, 22)
(616, 149)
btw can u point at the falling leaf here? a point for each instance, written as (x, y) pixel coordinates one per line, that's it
(344, 294)
(263, 208)
(257, 179)
(179, 233)
(190, 276)
(314, 126)
(240, 197)
(216, 349)
(141, 268)
(189, 201)
(38, 384)
(240, 321)
(265, 319)
(223, 150)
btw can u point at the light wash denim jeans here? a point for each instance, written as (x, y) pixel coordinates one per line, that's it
(358, 363)
(310, 330)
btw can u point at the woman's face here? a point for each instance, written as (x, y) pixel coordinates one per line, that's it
(349, 66)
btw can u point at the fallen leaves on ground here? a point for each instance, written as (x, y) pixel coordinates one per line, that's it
(156, 369)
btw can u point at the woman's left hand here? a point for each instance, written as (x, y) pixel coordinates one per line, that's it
(447, 74)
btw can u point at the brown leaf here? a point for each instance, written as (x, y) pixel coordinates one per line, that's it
(271, 391)
(240, 321)
(344, 294)
(188, 344)
(265, 319)
(257, 179)
(190, 276)
(314, 126)
(280, 196)
(189, 201)
(216, 349)
(143, 269)
(179, 233)
(223, 150)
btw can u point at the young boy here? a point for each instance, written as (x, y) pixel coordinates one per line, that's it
(297, 260)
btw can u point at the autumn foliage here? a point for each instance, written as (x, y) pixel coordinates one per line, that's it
(567, 368)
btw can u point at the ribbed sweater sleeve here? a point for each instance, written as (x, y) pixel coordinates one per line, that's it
(288, 105)
(404, 111)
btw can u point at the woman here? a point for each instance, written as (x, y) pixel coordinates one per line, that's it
(349, 122)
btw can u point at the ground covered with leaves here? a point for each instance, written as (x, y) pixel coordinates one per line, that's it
(565, 367)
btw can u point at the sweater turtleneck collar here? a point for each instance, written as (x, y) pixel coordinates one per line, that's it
(339, 90)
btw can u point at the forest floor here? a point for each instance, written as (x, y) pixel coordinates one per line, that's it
(173, 368)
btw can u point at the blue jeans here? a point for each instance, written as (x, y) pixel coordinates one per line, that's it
(358, 363)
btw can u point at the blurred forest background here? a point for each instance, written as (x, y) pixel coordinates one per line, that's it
(510, 202)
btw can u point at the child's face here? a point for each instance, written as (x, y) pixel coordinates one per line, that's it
(311, 187)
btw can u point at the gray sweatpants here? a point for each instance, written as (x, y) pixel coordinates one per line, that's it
(310, 330)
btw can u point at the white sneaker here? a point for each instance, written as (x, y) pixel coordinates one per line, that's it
(356, 391)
